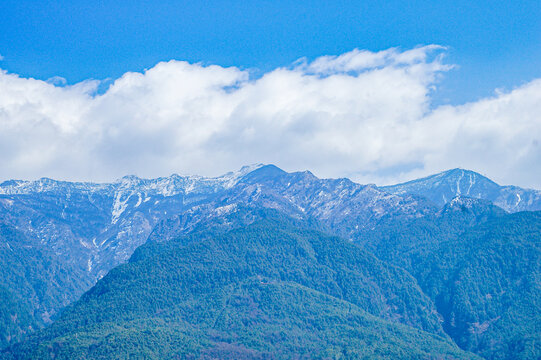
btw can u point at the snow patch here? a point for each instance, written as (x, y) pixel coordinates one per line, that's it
(222, 210)
(7, 202)
(472, 181)
(119, 206)
(458, 182)
(139, 200)
(104, 241)
(232, 178)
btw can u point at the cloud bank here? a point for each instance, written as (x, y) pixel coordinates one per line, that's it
(364, 115)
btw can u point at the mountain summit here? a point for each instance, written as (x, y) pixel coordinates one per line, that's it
(443, 187)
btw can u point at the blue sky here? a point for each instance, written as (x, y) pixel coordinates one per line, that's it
(496, 44)
(386, 91)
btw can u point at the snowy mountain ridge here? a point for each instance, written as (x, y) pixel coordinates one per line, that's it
(97, 226)
(445, 186)
(166, 186)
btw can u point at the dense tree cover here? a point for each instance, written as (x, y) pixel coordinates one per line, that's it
(272, 289)
(16, 316)
(482, 269)
(34, 286)
(487, 285)
(409, 242)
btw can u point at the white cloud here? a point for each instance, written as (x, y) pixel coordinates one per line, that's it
(361, 114)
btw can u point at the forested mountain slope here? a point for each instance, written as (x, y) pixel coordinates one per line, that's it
(272, 289)
(34, 285)
(486, 283)
(482, 269)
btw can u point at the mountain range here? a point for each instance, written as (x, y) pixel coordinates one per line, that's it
(440, 267)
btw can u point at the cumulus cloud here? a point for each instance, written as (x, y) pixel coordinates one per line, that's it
(364, 115)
